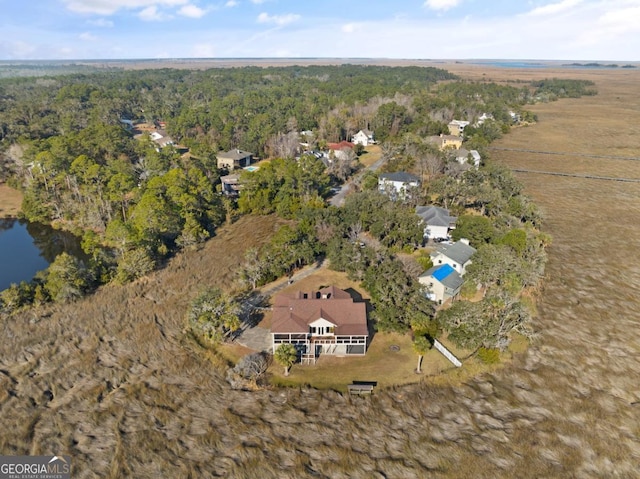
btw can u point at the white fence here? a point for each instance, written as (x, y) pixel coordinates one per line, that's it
(446, 353)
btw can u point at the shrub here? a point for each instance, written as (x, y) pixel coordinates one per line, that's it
(489, 355)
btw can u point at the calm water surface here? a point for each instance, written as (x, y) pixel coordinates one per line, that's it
(26, 248)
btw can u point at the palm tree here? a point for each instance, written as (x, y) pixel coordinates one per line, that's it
(421, 345)
(286, 355)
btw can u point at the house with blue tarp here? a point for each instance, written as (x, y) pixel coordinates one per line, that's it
(441, 282)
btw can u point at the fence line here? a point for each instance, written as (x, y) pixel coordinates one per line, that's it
(446, 353)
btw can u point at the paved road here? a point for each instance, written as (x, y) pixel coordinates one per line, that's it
(338, 198)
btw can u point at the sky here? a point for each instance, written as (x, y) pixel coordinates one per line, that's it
(594, 30)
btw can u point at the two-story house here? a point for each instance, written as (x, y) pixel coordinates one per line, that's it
(470, 157)
(446, 141)
(234, 159)
(398, 185)
(456, 127)
(437, 221)
(442, 282)
(363, 137)
(327, 321)
(457, 255)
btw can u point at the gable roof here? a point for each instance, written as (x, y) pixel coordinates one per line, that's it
(459, 252)
(399, 176)
(368, 133)
(234, 154)
(445, 274)
(341, 145)
(462, 153)
(294, 313)
(435, 215)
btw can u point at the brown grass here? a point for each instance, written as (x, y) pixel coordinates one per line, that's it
(134, 397)
(10, 201)
(372, 153)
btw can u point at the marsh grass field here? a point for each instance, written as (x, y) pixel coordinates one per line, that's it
(115, 383)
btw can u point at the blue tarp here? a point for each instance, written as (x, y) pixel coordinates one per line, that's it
(442, 272)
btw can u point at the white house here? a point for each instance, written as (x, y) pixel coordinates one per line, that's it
(442, 282)
(456, 127)
(482, 118)
(161, 138)
(327, 321)
(437, 221)
(457, 255)
(463, 156)
(397, 185)
(363, 137)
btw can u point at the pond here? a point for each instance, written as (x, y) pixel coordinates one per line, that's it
(26, 248)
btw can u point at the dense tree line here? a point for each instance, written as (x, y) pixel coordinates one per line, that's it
(551, 89)
(63, 143)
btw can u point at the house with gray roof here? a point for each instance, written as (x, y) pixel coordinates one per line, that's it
(457, 255)
(464, 156)
(437, 221)
(441, 282)
(398, 185)
(234, 159)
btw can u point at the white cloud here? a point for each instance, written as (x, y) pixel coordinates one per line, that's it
(151, 14)
(610, 28)
(87, 37)
(349, 27)
(441, 4)
(554, 8)
(101, 22)
(192, 11)
(278, 19)
(257, 2)
(621, 20)
(204, 50)
(109, 7)
(16, 49)
(231, 3)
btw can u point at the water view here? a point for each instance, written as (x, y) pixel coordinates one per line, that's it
(26, 248)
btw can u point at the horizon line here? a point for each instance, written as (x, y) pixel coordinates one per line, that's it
(436, 60)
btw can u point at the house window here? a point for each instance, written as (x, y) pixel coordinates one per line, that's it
(313, 330)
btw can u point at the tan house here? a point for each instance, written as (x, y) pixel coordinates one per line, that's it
(441, 282)
(327, 321)
(456, 127)
(446, 141)
(234, 159)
